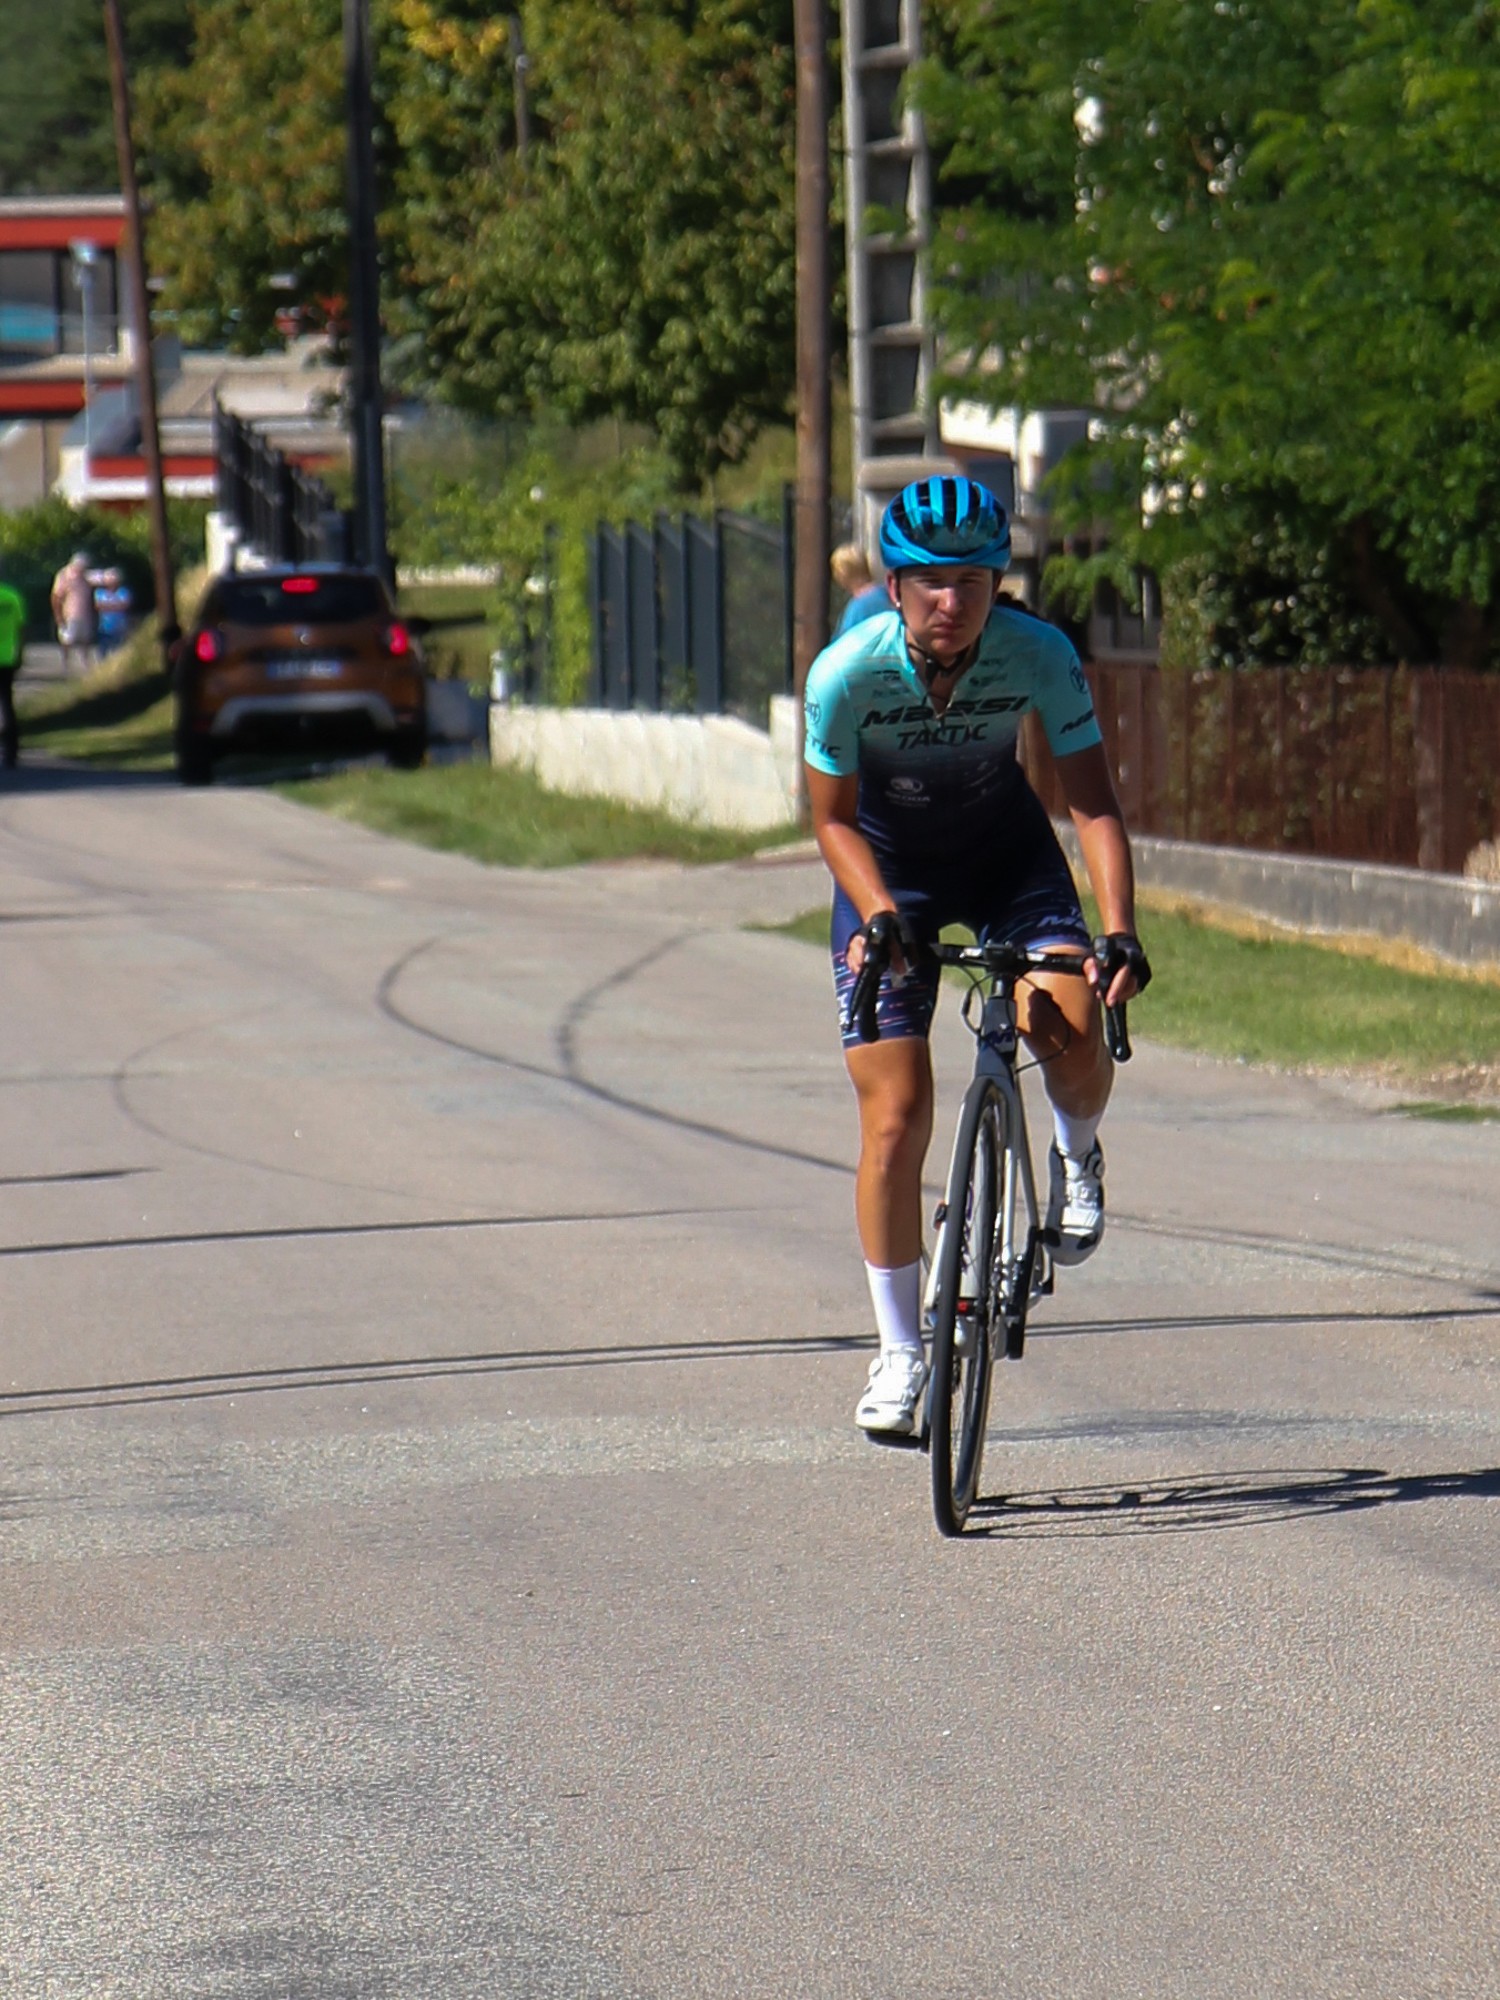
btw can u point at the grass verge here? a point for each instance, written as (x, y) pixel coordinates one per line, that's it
(1448, 1114)
(503, 816)
(118, 714)
(1301, 1004)
(1304, 1004)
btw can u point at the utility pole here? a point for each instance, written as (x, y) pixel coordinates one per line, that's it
(366, 402)
(520, 63)
(140, 316)
(810, 572)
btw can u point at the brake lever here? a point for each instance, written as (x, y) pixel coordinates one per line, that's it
(1116, 1034)
(862, 1002)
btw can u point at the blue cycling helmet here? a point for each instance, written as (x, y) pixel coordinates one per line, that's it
(936, 523)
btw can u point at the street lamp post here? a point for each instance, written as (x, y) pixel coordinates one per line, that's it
(85, 268)
(140, 313)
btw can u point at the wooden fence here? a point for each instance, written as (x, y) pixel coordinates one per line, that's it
(1359, 764)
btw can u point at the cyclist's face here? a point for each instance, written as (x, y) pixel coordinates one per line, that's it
(944, 609)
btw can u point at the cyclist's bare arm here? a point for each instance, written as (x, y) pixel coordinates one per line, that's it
(834, 804)
(1089, 790)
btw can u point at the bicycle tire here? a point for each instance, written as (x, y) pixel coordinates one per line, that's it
(958, 1394)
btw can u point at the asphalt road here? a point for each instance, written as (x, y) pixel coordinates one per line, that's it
(437, 1559)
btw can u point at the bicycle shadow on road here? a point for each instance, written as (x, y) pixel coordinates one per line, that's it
(1201, 1322)
(1202, 1502)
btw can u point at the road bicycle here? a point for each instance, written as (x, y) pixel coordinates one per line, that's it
(991, 1256)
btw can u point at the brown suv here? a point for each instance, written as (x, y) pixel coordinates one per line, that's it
(310, 657)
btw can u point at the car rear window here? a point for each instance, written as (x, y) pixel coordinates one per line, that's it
(298, 600)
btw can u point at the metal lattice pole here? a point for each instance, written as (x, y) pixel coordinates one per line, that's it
(894, 415)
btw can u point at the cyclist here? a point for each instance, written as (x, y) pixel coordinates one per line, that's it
(922, 811)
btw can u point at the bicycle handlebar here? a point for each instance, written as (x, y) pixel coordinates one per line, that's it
(999, 961)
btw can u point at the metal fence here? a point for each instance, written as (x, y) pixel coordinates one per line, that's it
(692, 614)
(1358, 764)
(285, 514)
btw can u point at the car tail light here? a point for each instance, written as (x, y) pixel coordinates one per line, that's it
(299, 586)
(397, 641)
(208, 647)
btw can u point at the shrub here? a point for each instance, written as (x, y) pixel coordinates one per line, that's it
(36, 541)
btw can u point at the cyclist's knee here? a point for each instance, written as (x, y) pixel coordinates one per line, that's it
(1072, 1055)
(895, 1128)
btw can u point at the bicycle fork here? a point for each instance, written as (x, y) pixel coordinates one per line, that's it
(1021, 1254)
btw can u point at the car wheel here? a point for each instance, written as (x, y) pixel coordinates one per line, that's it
(195, 762)
(408, 748)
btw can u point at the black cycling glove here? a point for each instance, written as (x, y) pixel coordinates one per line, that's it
(887, 928)
(1117, 949)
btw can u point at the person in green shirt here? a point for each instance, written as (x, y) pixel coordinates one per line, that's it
(12, 646)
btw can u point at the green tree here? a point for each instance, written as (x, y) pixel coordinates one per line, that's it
(56, 129)
(1254, 238)
(245, 162)
(638, 263)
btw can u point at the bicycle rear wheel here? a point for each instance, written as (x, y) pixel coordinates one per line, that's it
(966, 1308)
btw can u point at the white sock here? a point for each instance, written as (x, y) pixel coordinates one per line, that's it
(896, 1297)
(1076, 1136)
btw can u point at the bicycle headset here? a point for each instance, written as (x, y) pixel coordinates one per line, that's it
(945, 523)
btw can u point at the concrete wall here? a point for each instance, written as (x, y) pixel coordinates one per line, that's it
(1441, 913)
(711, 770)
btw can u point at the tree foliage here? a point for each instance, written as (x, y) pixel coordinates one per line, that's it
(1254, 235)
(56, 123)
(245, 160)
(638, 262)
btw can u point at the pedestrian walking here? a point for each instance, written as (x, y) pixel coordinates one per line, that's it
(113, 603)
(73, 612)
(12, 650)
(853, 575)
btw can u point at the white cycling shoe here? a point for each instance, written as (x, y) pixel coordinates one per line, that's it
(1075, 1210)
(889, 1404)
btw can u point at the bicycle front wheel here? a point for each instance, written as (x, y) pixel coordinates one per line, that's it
(967, 1307)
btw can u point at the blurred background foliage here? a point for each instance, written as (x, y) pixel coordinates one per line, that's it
(1253, 236)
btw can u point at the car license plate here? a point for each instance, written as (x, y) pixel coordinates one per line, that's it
(304, 670)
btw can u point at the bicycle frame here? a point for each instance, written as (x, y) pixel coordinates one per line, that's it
(997, 1044)
(995, 1058)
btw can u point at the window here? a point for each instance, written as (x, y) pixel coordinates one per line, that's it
(29, 317)
(42, 305)
(332, 600)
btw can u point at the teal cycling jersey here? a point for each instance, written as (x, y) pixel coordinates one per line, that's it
(944, 787)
